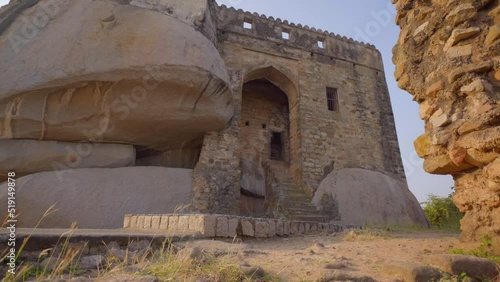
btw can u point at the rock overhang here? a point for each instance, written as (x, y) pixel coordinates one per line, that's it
(142, 65)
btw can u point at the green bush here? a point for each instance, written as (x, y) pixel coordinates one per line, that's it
(442, 212)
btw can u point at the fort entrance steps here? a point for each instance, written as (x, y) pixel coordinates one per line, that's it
(289, 198)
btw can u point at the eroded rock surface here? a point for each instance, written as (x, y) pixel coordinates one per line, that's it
(448, 58)
(138, 72)
(364, 197)
(29, 156)
(97, 197)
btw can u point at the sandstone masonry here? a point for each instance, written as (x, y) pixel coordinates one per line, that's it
(267, 118)
(448, 58)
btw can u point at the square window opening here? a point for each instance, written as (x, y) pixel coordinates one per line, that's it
(285, 34)
(247, 24)
(332, 99)
(321, 43)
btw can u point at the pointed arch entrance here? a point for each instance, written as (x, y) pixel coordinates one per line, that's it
(268, 137)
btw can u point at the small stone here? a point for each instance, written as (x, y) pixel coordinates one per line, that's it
(91, 262)
(470, 126)
(460, 51)
(458, 155)
(477, 86)
(439, 119)
(480, 158)
(460, 34)
(411, 272)
(493, 35)
(419, 29)
(434, 88)
(422, 145)
(458, 264)
(425, 110)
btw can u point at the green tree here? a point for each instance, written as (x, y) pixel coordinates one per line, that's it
(442, 212)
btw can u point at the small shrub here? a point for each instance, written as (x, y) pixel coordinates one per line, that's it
(442, 212)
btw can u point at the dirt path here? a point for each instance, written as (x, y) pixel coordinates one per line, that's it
(310, 257)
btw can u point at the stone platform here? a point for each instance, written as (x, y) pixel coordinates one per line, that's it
(45, 238)
(226, 226)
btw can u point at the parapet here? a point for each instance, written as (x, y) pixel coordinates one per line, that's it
(286, 34)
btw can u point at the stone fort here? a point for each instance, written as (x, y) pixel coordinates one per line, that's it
(116, 107)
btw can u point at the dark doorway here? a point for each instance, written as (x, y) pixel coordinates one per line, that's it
(276, 146)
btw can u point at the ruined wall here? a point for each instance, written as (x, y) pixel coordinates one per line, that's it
(448, 58)
(361, 134)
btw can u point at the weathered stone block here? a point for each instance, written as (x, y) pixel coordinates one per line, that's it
(140, 221)
(280, 228)
(155, 221)
(307, 227)
(286, 228)
(183, 222)
(173, 222)
(147, 222)
(246, 227)
(164, 222)
(133, 222)
(443, 165)
(460, 51)
(302, 227)
(294, 228)
(222, 226)
(261, 228)
(127, 221)
(272, 228)
(233, 226)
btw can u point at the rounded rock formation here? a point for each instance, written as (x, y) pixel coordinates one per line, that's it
(139, 72)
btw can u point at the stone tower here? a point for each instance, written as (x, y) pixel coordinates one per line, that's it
(147, 106)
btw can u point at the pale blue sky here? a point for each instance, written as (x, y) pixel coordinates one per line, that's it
(372, 21)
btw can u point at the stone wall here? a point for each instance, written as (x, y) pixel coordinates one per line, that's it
(361, 134)
(448, 58)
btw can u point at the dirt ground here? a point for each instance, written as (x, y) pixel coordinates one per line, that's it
(311, 257)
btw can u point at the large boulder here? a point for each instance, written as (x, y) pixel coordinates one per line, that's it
(98, 198)
(29, 156)
(365, 197)
(112, 71)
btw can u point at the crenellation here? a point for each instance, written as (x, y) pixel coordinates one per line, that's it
(230, 18)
